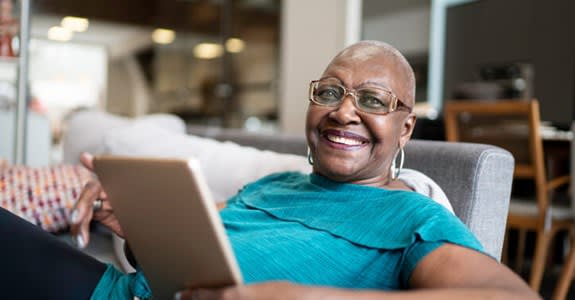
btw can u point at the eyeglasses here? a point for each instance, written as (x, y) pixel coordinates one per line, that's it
(373, 99)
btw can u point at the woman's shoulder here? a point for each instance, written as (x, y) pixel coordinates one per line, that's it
(284, 176)
(279, 178)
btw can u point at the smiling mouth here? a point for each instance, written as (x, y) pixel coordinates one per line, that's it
(344, 138)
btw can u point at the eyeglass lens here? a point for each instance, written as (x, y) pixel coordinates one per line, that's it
(368, 99)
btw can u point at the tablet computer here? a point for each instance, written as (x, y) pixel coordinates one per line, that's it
(170, 221)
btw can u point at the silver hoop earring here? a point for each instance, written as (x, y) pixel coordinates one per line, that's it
(309, 157)
(396, 170)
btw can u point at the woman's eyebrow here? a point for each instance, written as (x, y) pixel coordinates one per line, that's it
(371, 82)
(331, 76)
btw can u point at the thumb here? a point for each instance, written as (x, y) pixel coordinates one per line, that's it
(87, 160)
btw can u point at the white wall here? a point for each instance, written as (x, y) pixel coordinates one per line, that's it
(407, 30)
(128, 92)
(310, 40)
(312, 33)
(64, 76)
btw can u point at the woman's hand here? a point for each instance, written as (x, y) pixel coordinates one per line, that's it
(274, 290)
(83, 212)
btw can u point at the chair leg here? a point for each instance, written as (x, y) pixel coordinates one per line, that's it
(520, 258)
(539, 258)
(566, 276)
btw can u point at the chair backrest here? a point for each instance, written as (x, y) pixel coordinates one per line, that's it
(476, 178)
(510, 124)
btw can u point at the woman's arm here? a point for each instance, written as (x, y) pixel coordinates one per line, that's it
(449, 272)
(453, 271)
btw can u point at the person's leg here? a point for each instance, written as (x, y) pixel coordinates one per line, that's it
(36, 265)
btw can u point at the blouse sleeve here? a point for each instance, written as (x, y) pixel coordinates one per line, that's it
(115, 285)
(412, 255)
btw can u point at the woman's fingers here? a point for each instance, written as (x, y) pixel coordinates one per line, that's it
(87, 160)
(82, 213)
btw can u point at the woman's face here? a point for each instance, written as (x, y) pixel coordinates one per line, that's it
(349, 145)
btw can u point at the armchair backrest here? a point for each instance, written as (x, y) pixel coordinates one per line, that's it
(476, 178)
(477, 181)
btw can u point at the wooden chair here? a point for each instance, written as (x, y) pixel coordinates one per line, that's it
(568, 270)
(514, 125)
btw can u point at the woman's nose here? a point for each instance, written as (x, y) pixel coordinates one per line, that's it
(346, 112)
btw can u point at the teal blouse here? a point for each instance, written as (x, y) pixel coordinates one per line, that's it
(308, 229)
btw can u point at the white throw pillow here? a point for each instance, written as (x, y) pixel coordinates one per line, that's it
(85, 131)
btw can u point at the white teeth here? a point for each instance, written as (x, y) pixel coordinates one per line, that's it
(343, 140)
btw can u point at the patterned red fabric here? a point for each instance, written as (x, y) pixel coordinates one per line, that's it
(43, 196)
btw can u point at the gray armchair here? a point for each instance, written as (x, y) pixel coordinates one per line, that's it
(476, 178)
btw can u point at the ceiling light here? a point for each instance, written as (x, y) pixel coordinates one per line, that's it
(60, 34)
(235, 45)
(163, 36)
(208, 50)
(75, 24)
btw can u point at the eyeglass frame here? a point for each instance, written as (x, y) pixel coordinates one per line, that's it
(395, 105)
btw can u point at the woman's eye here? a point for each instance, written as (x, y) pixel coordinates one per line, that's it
(329, 93)
(372, 101)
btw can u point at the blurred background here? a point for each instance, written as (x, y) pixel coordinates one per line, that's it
(246, 64)
(235, 63)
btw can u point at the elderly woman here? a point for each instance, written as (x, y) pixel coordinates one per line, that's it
(349, 230)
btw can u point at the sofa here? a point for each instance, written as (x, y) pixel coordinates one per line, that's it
(476, 178)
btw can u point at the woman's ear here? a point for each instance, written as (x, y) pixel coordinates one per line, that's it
(407, 129)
